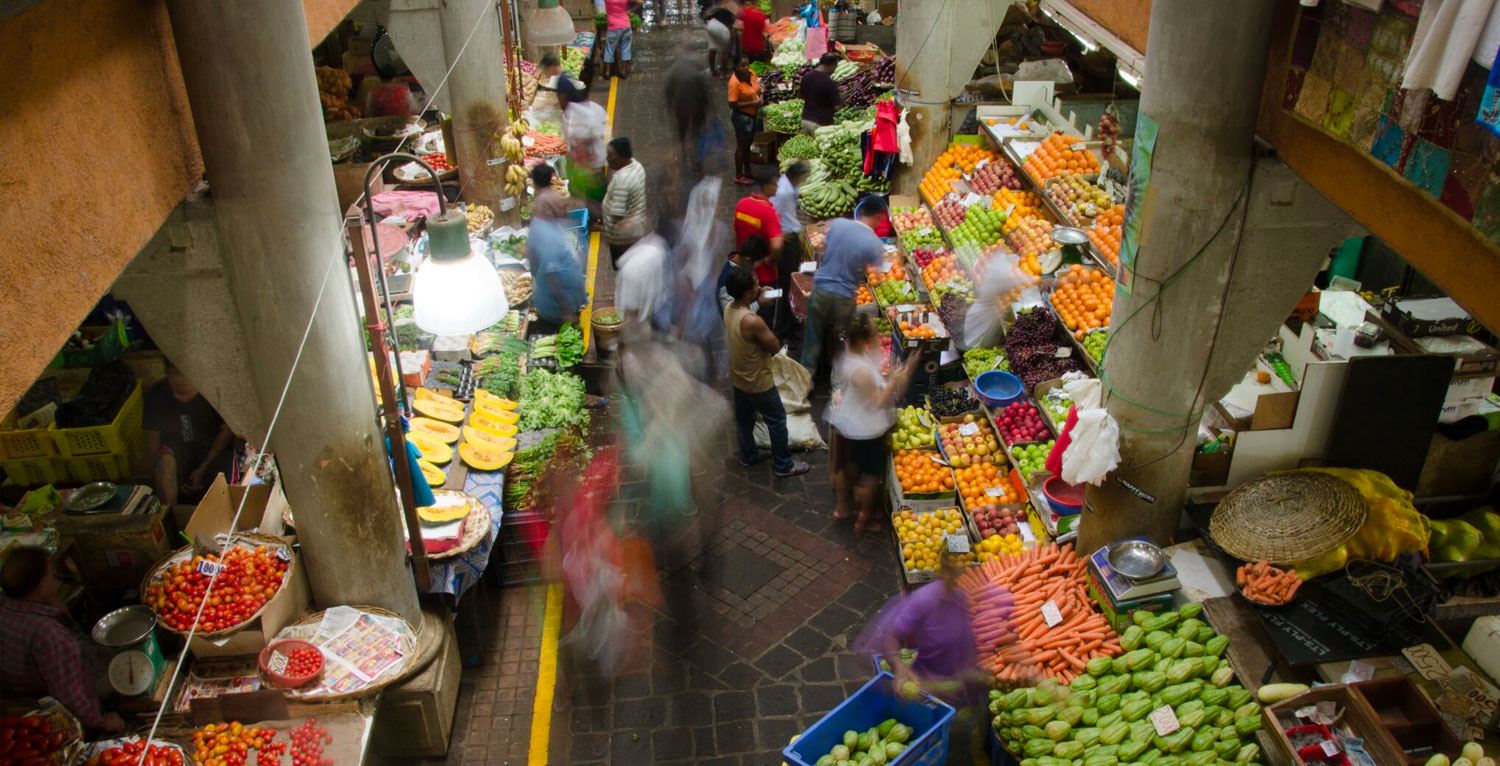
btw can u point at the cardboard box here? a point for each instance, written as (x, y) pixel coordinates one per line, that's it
(214, 515)
(1429, 316)
(115, 551)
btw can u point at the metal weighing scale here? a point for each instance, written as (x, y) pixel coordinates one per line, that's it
(1069, 250)
(138, 660)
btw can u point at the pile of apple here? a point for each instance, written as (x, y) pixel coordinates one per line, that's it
(1078, 199)
(1021, 423)
(913, 429)
(907, 218)
(949, 213)
(926, 255)
(991, 177)
(968, 443)
(997, 521)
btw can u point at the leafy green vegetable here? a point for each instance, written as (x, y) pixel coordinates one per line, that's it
(551, 400)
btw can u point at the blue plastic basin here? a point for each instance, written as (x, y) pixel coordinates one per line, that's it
(998, 388)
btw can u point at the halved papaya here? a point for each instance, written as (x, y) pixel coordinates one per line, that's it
(438, 394)
(491, 402)
(433, 451)
(491, 428)
(437, 429)
(489, 421)
(446, 509)
(488, 440)
(439, 409)
(435, 475)
(481, 458)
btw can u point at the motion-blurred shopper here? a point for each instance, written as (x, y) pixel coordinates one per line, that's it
(862, 410)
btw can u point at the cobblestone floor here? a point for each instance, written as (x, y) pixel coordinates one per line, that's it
(779, 589)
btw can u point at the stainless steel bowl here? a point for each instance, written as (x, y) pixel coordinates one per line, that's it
(1069, 235)
(1136, 559)
(126, 626)
(91, 496)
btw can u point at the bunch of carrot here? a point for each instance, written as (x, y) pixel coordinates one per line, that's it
(545, 144)
(1006, 596)
(1266, 584)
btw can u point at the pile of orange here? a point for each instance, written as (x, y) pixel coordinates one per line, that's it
(1056, 156)
(972, 483)
(1109, 226)
(950, 166)
(1083, 299)
(919, 474)
(895, 271)
(1028, 204)
(863, 296)
(1030, 238)
(942, 269)
(917, 330)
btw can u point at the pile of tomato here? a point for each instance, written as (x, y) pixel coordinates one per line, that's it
(229, 744)
(137, 752)
(29, 740)
(249, 578)
(307, 744)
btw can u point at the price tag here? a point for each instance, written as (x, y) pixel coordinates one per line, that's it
(1306, 711)
(1078, 146)
(1164, 720)
(938, 459)
(1330, 748)
(981, 163)
(923, 419)
(994, 492)
(528, 141)
(808, 267)
(209, 568)
(999, 362)
(1358, 671)
(495, 161)
(958, 543)
(1051, 614)
(968, 429)
(277, 663)
(507, 204)
(283, 554)
(1027, 535)
(1063, 352)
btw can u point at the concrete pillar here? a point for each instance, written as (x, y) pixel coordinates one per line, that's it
(249, 75)
(1235, 279)
(473, 48)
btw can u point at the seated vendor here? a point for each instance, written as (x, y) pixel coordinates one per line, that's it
(188, 439)
(40, 654)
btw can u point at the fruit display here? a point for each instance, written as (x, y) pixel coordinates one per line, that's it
(1021, 423)
(479, 216)
(1094, 344)
(862, 295)
(1172, 659)
(1030, 238)
(982, 226)
(925, 237)
(994, 546)
(893, 269)
(1009, 598)
(955, 162)
(984, 359)
(919, 472)
(431, 449)
(1030, 458)
(307, 744)
(304, 661)
(984, 484)
(925, 255)
(1108, 228)
(952, 402)
(924, 537)
(1031, 345)
(1265, 584)
(35, 738)
(446, 433)
(247, 577)
(888, 740)
(1078, 199)
(333, 94)
(1056, 404)
(480, 455)
(918, 330)
(134, 751)
(1083, 299)
(905, 219)
(949, 213)
(783, 116)
(1019, 205)
(969, 443)
(1058, 154)
(992, 176)
(437, 406)
(991, 519)
(913, 429)
(943, 268)
(229, 744)
(885, 353)
(438, 161)
(895, 291)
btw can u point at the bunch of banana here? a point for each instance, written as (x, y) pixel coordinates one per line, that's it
(515, 180)
(511, 147)
(519, 128)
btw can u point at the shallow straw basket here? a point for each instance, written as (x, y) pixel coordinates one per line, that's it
(302, 695)
(476, 526)
(1287, 517)
(186, 552)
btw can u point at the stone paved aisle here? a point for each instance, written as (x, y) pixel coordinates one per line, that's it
(781, 588)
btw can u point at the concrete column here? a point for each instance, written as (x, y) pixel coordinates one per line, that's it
(249, 75)
(476, 91)
(1193, 337)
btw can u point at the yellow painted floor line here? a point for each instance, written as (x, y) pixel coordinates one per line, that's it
(546, 678)
(546, 667)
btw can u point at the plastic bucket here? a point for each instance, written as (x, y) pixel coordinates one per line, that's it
(998, 388)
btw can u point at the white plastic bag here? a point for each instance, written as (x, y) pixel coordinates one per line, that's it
(1094, 450)
(794, 384)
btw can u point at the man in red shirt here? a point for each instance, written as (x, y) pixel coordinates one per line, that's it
(752, 26)
(756, 216)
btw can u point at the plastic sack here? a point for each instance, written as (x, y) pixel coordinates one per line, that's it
(999, 286)
(1095, 448)
(794, 384)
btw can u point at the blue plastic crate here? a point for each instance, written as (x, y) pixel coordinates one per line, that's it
(876, 701)
(577, 227)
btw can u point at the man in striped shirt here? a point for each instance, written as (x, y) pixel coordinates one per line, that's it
(625, 215)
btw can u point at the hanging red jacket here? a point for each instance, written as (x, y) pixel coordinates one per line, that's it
(883, 136)
(1064, 438)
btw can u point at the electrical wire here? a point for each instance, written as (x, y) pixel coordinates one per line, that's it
(275, 416)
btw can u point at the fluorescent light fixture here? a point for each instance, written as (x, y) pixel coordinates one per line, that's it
(550, 24)
(455, 291)
(1130, 79)
(1088, 45)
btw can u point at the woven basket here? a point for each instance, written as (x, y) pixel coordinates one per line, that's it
(304, 695)
(476, 525)
(1288, 517)
(186, 552)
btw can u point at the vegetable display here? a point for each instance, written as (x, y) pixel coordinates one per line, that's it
(247, 578)
(844, 70)
(1009, 597)
(566, 347)
(500, 373)
(551, 400)
(1171, 659)
(782, 84)
(783, 116)
(1266, 584)
(859, 90)
(798, 147)
(829, 199)
(790, 53)
(878, 745)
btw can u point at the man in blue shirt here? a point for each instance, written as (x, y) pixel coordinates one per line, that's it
(850, 248)
(558, 294)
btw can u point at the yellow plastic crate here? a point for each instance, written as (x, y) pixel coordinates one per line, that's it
(32, 472)
(100, 440)
(31, 442)
(108, 467)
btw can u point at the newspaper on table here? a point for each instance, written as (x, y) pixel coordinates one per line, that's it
(359, 650)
